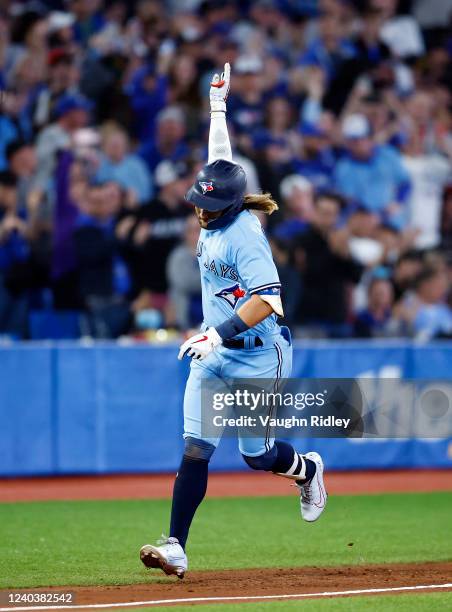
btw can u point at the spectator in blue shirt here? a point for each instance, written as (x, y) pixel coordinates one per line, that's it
(372, 174)
(89, 20)
(169, 143)
(374, 319)
(330, 49)
(246, 101)
(371, 56)
(316, 160)
(279, 122)
(148, 94)
(298, 204)
(119, 165)
(275, 144)
(103, 276)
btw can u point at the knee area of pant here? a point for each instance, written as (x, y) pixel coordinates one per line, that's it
(198, 449)
(262, 462)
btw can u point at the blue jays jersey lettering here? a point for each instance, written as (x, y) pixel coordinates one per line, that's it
(236, 262)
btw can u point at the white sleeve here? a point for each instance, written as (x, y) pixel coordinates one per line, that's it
(219, 144)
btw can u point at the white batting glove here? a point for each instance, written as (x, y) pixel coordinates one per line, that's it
(200, 345)
(219, 89)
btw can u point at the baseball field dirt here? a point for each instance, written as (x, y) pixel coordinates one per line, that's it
(273, 582)
(245, 551)
(158, 486)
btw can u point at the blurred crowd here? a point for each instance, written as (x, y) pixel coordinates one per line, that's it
(341, 109)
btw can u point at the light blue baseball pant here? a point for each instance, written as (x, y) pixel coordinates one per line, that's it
(272, 361)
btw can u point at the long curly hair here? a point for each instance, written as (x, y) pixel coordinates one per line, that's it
(263, 202)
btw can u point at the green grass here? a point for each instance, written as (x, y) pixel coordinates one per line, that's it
(380, 603)
(97, 542)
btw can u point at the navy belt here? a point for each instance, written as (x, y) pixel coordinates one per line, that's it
(248, 342)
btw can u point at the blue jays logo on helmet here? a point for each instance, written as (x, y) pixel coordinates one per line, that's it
(231, 294)
(206, 186)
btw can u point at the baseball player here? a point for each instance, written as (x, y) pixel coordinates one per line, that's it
(240, 336)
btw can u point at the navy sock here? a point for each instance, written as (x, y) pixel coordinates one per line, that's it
(285, 459)
(310, 471)
(189, 490)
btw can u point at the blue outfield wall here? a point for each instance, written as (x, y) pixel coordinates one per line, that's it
(67, 408)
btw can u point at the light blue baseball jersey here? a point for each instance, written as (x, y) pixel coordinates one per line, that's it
(235, 263)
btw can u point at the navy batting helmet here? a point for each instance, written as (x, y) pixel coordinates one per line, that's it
(218, 186)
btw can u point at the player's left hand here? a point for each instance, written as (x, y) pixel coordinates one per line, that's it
(200, 345)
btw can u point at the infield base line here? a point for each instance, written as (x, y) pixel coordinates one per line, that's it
(157, 602)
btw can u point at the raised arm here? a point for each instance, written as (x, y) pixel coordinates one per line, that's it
(219, 144)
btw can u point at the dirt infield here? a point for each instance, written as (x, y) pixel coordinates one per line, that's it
(269, 582)
(148, 486)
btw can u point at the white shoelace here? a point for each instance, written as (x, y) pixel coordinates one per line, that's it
(166, 540)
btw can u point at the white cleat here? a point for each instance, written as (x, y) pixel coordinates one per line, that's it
(169, 557)
(313, 494)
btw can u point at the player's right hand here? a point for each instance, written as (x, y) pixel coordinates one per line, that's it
(200, 345)
(219, 89)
